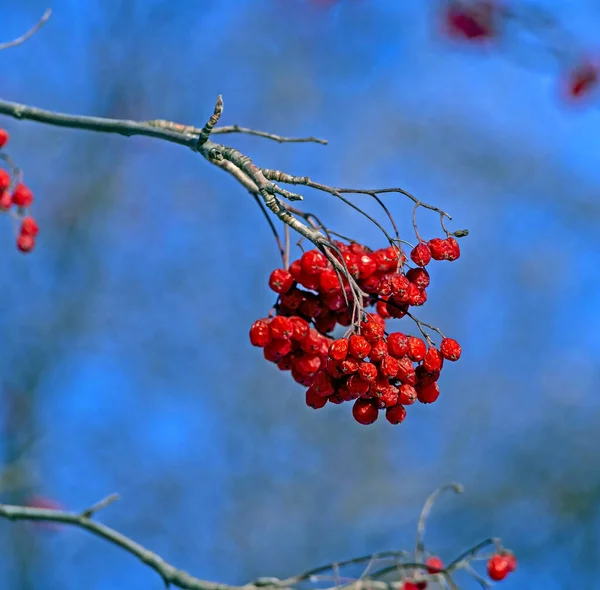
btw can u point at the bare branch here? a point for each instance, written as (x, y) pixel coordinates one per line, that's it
(100, 505)
(278, 138)
(167, 572)
(29, 33)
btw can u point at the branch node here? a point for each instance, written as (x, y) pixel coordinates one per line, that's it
(214, 119)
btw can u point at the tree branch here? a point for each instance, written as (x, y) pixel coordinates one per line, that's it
(29, 33)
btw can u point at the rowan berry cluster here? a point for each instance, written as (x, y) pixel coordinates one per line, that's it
(14, 193)
(375, 369)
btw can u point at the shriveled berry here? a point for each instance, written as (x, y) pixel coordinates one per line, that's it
(407, 394)
(498, 567)
(313, 262)
(281, 280)
(3, 138)
(371, 329)
(349, 366)
(450, 349)
(419, 276)
(389, 397)
(425, 377)
(453, 249)
(338, 350)
(364, 411)
(334, 368)
(427, 394)
(433, 360)
(388, 366)
(367, 371)
(420, 254)
(260, 335)
(395, 415)
(29, 227)
(25, 243)
(416, 349)
(406, 371)
(358, 347)
(323, 383)
(22, 196)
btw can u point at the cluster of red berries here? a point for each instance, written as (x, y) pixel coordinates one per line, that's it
(21, 197)
(498, 567)
(374, 369)
(480, 21)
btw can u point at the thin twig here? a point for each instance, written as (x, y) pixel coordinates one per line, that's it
(29, 33)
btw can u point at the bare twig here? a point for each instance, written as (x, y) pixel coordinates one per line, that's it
(167, 572)
(100, 505)
(29, 33)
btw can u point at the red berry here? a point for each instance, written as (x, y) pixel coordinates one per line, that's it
(329, 281)
(323, 384)
(371, 330)
(388, 366)
(498, 567)
(416, 349)
(277, 349)
(29, 227)
(292, 299)
(433, 360)
(358, 385)
(3, 137)
(300, 328)
(338, 349)
(307, 280)
(421, 255)
(5, 200)
(419, 276)
(397, 344)
(260, 334)
(312, 343)
(307, 364)
(4, 180)
(416, 296)
(382, 310)
(406, 371)
(22, 196)
(395, 414)
(281, 328)
(367, 371)
(358, 347)
(281, 280)
(364, 411)
(386, 259)
(450, 349)
(512, 561)
(474, 23)
(427, 394)
(583, 79)
(389, 397)
(349, 366)
(366, 266)
(25, 243)
(379, 350)
(313, 262)
(434, 565)
(295, 269)
(453, 249)
(326, 322)
(407, 394)
(314, 400)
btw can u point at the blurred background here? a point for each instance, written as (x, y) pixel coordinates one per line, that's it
(126, 365)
